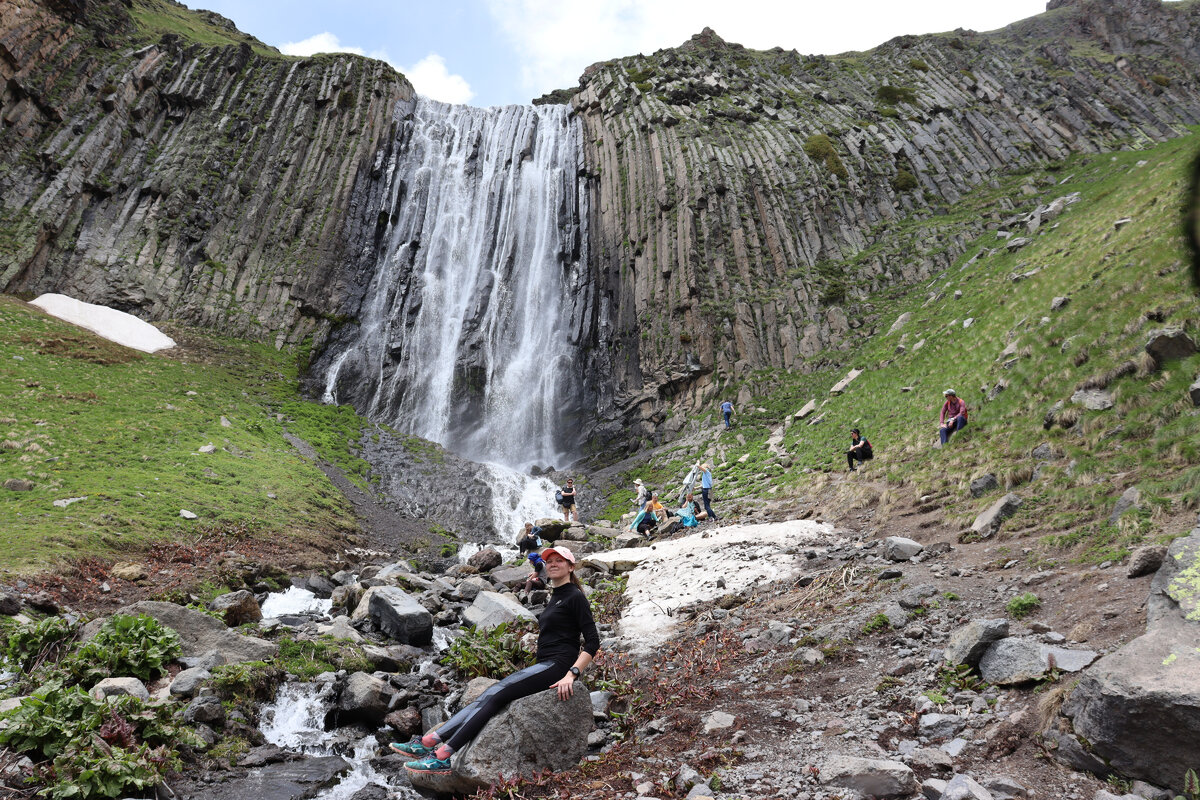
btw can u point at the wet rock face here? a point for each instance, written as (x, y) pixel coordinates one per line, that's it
(713, 189)
(227, 187)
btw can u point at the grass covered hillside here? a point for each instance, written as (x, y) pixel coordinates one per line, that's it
(988, 328)
(101, 445)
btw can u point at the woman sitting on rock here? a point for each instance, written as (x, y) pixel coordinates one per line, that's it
(567, 618)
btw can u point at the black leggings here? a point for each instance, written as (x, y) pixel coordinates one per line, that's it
(467, 723)
(859, 454)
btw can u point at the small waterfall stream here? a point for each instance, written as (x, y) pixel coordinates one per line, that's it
(465, 335)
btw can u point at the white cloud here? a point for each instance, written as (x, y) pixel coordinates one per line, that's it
(321, 43)
(431, 78)
(557, 39)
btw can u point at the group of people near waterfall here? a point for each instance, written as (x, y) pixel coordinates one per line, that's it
(653, 512)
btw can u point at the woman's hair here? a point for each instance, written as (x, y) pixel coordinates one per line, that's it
(575, 578)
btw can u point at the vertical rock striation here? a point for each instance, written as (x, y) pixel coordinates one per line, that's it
(225, 186)
(746, 204)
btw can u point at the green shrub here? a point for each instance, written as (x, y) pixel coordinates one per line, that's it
(904, 181)
(32, 645)
(489, 654)
(1161, 80)
(879, 622)
(819, 147)
(918, 64)
(893, 95)
(1023, 605)
(134, 646)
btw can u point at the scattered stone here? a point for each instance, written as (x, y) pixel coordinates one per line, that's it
(941, 726)
(491, 609)
(841, 385)
(898, 548)
(1129, 500)
(18, 485)
(1093, 399)
(984, 484)
(237, 608)
(183, 512)
(1020, 660)
(486, 559)
(1146, 560)
(718, 720)
(398, 614)
(1043, 452)
(208, 448)
(1003, 787)
(287, 780)
(66, 501)
(120, 687)
(811, 406)
(900, 322)
(868, 776)
(1194, 392)
(364, 698)
(968, 644)
(1013, 245)
(188, 681)
(1168, 344)
(10, 605)
(988, 523)
(962, 787)
(1121, 223)
(129, 572)
(1059, 303)
(207, 710)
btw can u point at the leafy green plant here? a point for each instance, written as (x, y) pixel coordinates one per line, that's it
(892, 95)
(32, 645)
(1191, 786)
(819, 147)
(879, 622)
(137, 646)
(904, 181)
(960, 677)
(493, 653)
(1023, 605)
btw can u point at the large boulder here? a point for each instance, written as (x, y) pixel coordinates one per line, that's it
(1139, 707)
(364, 698)
(1168, 344)
(968, 644)
(988, 523)
(869, 776)
(398, 614)
(1020, 660)
(898, 548)
(237, 608)
(485, 559)
(200, 634)
(491, 609)
(532, 734)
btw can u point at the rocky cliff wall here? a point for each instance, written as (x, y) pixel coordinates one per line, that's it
(746, 204)
(225, 186)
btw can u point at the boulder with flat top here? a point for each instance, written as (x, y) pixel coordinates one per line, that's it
(535, 733)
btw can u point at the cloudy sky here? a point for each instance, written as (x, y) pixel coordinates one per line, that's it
(491, 52)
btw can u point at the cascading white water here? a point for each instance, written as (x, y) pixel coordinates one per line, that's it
(464, 337)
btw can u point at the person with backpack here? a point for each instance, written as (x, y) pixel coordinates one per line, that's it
(643, 494)
(727, 413)
(566, 499)
(706, 483)
(529, 539)
(860, 448)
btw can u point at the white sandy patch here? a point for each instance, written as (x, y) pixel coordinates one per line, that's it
(681, 572)
(116, 326)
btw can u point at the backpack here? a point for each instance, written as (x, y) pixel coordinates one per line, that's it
(558, 498)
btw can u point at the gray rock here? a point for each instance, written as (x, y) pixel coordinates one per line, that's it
(238, 607)
(19, 485)
(470, 588)
(1020, 660)
(984, 484)
(201, 634)
(1016, 244)
(188, 681)
(900, 322)
(1093, 399)
(398, 614)
(933, 759)
(1194, 392)
(868, 776)
(533, 733)
(1103, 794)
(486, 559)
(915, 597)
(491, 609)
(932, 788)
(1168, 344)
(718, 720)
(898, 548)
(988, 523)
(941, 726)
(1149, 791)
(512, 577)
(285, 780)
(120, 687)
(372, 791)
(1043, 452)
(346, 597)
(1067, 750)
(968, 644)
(1145, 560)
(1139, 707)
(962, 787)
(474, 690)
(10, 605)
(364, 698)
(207, 710)
(1059, 303)
(1003, 787)
(1129, 500)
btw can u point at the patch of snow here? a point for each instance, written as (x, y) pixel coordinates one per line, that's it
(116, 326)
(682, 572)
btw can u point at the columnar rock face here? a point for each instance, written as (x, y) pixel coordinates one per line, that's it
(225, 186)
(748, 202)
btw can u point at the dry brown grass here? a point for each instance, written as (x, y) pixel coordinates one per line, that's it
(1146, 365)
(1018, 476)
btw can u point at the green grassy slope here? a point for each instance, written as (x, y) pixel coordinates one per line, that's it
(1121, 283)
(82, 417)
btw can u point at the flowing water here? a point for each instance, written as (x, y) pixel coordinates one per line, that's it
(465, 335)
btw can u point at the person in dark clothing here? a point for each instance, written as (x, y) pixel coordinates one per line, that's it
(568, 501)
(529, 540)
(560, 659)
(537, 579)
(860, 448)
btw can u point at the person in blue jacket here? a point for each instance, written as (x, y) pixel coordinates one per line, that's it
(706, 490)
(727, 413)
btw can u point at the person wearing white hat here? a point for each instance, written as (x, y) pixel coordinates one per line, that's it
(560, 659)
(954, 416)
(643, 494)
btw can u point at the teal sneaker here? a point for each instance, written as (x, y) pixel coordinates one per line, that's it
(411, 748)
(429, 763)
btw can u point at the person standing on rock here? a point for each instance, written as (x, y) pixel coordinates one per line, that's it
(727, 413)
(860, 448)
(560, 659)
(643, 494)
(568, 501)
(954, 415)
(706, 490)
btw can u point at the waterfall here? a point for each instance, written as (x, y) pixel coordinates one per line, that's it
(464, 335)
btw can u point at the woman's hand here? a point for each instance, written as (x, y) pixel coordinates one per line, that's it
(565, 687)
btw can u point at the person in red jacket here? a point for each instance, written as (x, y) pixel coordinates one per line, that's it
(954, 415)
